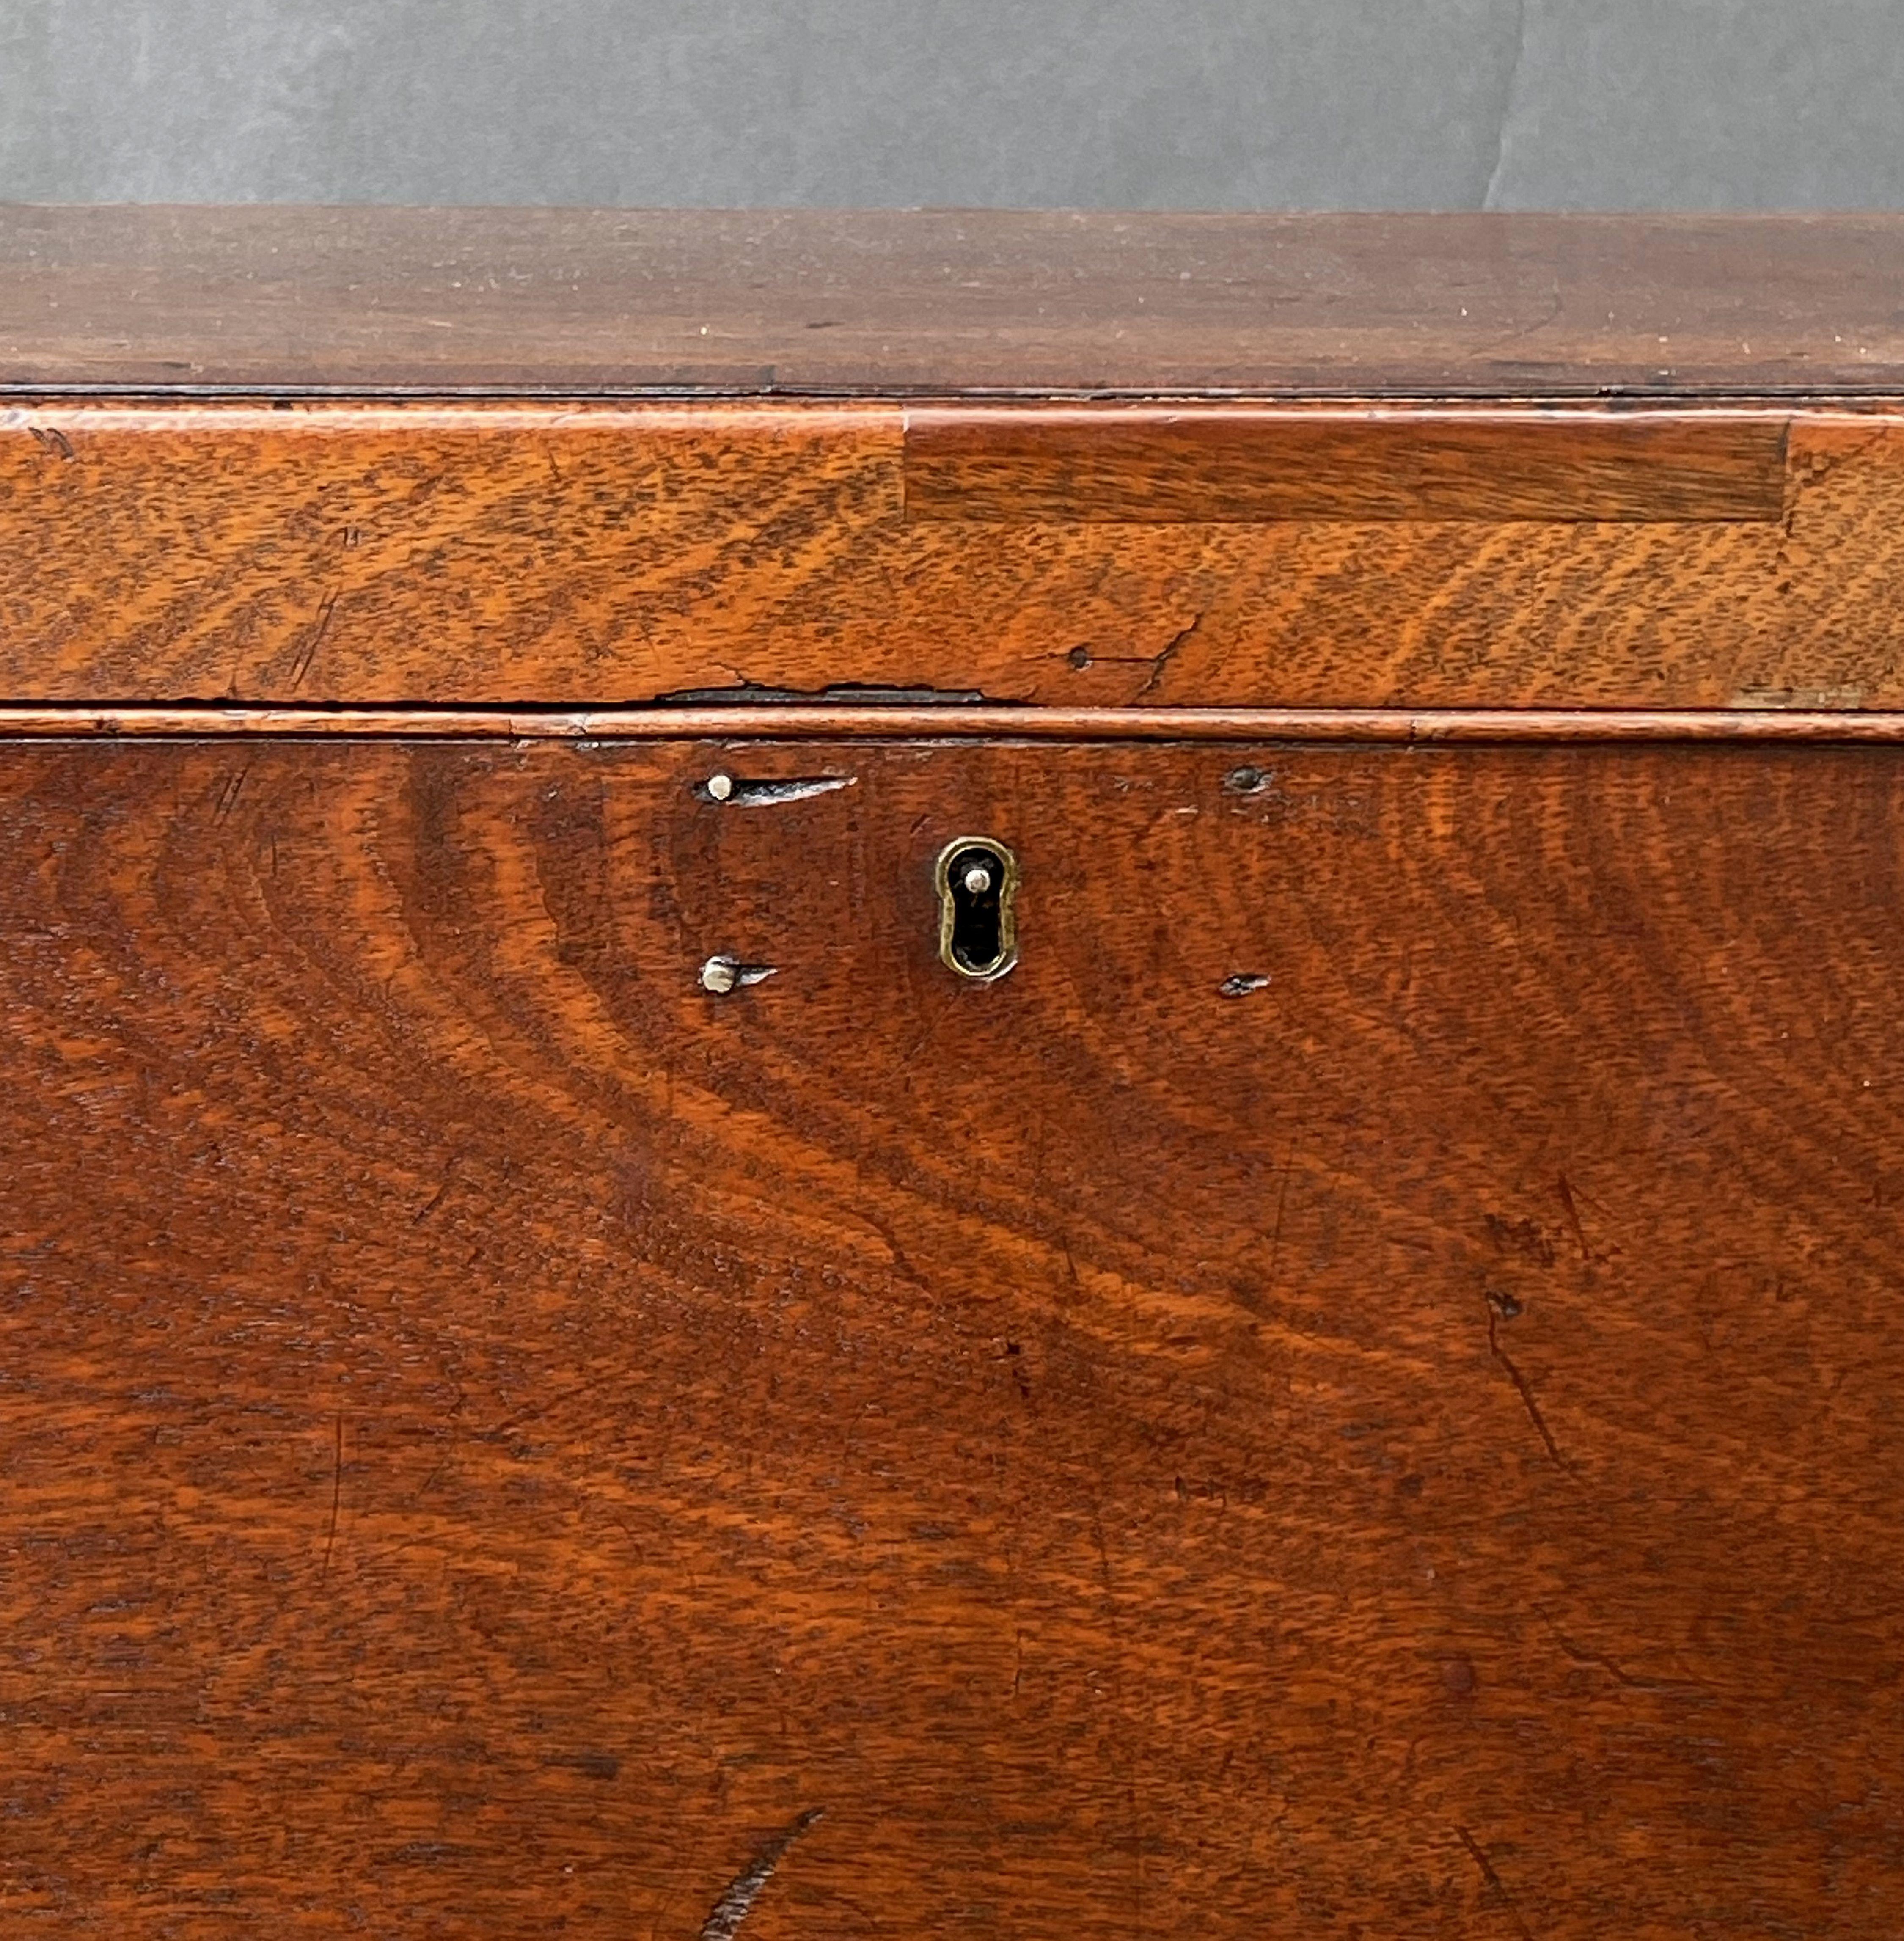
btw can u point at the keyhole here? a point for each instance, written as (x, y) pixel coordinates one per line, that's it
(977, 880)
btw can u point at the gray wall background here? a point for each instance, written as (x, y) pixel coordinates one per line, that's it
(1200, 104)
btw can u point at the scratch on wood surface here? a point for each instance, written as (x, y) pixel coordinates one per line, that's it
(1505, 1306)
(901, 1262)
(228, 795)
(314, 638)
(1103, 1564)
(336, 1495)
(1581, 1655)
(437, 1198)
(1275, 1237)
(734, 1907)
(1494, 1882)
(1573, 1218)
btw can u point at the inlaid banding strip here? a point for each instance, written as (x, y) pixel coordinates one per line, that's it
(1111, 465)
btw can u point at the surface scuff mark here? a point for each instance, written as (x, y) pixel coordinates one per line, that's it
(734, 1907)
(746, 693)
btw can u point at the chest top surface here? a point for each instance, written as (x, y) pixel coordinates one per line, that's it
(885, 302)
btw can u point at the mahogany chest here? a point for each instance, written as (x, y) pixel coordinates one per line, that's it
(898, 1075)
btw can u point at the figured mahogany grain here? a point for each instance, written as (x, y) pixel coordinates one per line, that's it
(1162, 465)
(602, 555)
(446, 552)
(501, 1442)
(940, 302)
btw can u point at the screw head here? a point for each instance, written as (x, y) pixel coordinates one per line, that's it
(978, 880)
(719, 975)
(720, 787)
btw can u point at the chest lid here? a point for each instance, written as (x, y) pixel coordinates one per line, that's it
(575, 461)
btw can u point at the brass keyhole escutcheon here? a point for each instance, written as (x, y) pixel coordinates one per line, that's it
(977, 881)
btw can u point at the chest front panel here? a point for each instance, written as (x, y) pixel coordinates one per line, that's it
(1363, 1371)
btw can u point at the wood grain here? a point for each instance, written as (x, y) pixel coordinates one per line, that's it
(605, 555)
(1163, 465)
(500, 1441)
(936, 303)
(355, 552)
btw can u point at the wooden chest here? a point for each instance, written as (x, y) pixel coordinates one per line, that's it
(906, 1076)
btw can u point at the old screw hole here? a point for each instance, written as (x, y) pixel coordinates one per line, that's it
(720, 976)
(737, 792)
(977, 880)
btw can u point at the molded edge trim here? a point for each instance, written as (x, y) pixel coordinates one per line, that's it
(992, 723)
